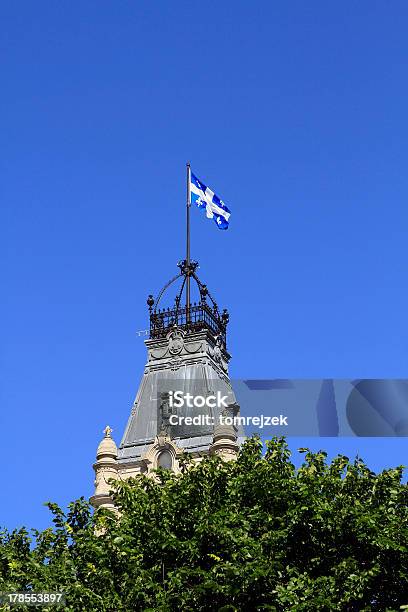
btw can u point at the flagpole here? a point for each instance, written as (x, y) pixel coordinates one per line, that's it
(188, 204)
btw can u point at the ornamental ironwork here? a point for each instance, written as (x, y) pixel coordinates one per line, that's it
(197, 316)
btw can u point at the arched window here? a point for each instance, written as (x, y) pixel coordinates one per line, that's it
(165, 460)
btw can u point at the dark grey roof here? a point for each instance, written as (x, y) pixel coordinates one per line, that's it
(193, 363)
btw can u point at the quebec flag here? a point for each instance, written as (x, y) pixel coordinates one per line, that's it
(204, 198)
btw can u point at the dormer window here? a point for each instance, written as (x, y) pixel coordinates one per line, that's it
(165, 460)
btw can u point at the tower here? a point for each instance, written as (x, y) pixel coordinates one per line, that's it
(186, 352)
(185, 402)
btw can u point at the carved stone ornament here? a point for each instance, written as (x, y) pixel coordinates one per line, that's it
(176, 342)
(162, 442)
(165, 414)
(176, 363)
(217, 354)
(193, 347)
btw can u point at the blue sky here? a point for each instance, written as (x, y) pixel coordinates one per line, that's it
(293, 112)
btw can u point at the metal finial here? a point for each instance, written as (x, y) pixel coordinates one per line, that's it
(225, 316)
(203, 292)
(150, 302)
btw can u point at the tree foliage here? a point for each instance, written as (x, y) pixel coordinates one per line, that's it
(252, 534)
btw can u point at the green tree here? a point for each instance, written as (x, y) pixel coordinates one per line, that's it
(252, 534)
